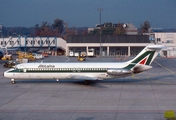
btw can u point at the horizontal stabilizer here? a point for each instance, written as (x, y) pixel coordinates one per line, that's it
(155, 46)
(141, 68)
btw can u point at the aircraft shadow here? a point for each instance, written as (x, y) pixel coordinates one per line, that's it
(127, 80)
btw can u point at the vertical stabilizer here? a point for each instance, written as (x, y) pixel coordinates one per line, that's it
(147, 55)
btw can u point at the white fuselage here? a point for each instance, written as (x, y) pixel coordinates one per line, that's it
(90, 71)
(85, 71)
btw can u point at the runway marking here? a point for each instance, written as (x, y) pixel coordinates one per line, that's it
(165, 68)
(174, 59)
(87, 111)
(67, 59)
(160, 82)
(153, 81)
(133, 76)
(156, 81)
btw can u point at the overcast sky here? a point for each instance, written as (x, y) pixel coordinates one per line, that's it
(84, 13)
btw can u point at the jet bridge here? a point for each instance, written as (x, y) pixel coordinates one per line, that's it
(24, 43)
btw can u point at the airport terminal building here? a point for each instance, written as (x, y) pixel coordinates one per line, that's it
(107, 45)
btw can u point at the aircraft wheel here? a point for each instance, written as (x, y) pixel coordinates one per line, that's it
(87, 82)
(13, 81)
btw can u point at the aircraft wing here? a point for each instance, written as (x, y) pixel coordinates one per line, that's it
(83, 77)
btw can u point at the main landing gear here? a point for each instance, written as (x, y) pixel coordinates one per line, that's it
(13, 81)
(87, 82)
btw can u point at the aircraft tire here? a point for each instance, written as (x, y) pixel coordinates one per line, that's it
(87, 82)
(13, 81)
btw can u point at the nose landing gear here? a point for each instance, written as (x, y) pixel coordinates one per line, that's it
(13, 81)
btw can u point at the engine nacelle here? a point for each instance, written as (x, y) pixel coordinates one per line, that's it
(140, 68)
(118, 72)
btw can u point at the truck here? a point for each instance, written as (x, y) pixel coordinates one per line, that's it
(71, 54)
(76, 54)
(38, 56)
(9, 64)
(91, 53)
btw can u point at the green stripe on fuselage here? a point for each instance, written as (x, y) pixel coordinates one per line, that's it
(56, 71)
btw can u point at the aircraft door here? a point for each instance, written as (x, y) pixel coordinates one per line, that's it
(21, 70)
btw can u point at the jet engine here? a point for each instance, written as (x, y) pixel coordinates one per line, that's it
(118, 72)
(140, 68)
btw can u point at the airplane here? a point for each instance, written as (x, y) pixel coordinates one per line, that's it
(1, 54)
(4, 51)
(85, 71)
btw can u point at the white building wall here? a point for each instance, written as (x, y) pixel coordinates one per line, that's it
(62, 43)
(131, 29)
(89, 45)
(168, 39)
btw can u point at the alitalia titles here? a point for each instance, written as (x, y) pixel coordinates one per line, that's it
(46, 66)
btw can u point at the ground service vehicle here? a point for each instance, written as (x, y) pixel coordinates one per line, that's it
(9, 64)
(38, 56)
(81, 58)
(71, 53)
(91, 53)
(7, 57)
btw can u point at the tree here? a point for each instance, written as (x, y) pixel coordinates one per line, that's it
(108, 29)
(46, 30)
(119, 30)
(144, 27)
(50, 30)
(58, 26)
(94, 32)
(37, 30)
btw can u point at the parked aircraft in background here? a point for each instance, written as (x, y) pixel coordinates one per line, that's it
(85, 71)
(6, 53)
(1, 54)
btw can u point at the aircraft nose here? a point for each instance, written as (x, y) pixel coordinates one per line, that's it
(4, 75)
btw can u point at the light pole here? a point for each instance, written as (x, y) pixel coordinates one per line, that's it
(1, 30)
(100, 9)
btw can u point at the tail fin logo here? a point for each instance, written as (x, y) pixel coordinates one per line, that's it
(145, 58)
(143, 61)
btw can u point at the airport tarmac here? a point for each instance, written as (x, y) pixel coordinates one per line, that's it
(145, 96)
